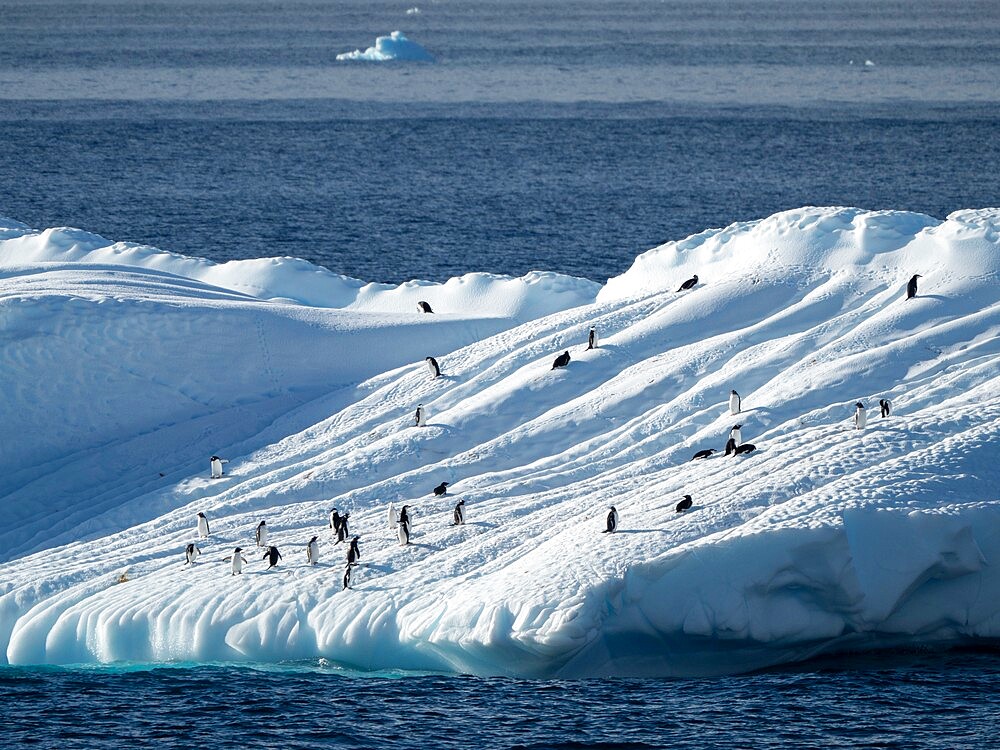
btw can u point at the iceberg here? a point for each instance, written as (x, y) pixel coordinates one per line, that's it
(127, 367)
(396, 46)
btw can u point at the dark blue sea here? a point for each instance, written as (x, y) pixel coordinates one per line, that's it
(565, 135)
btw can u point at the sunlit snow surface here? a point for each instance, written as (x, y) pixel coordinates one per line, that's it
(123, 363)
(396, 46)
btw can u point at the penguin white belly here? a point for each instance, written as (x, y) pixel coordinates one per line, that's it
(860, 419)
(403, 532)
(237, 564)
(737, 436)
(313, 553)
(216, 468)
(261, 537)
(734, 404)
(202, 528)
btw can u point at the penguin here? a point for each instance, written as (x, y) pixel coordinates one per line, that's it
(342, 532)
(735, 434)
(216, 464)
(423, 307)
(860, 416)
(202, 526)
(612, 521)
(459, 513)
(403, 533)
(393, 517)
(684, 504)
(441, 489)
(745, 448)
(592, 338)
(353, 553)
(561, 361)
(191, 553)
(688, 284)
(261, 534)
(730, 446)
(704, 454)
(347, 578)
(432, 365)
(734, 402)
(335, 520)
(885, 406)
(404, 517)
(312, 551)
(420, 418)
(272, 556)
(238, 560)
(911, 286)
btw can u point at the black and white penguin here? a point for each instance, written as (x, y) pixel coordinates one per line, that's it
(202, 526)
(335, 519)
(684, 504)
(353, 553)
(216, 463)
(592, 338)
(238, 561)
(561, 361)
(441, 489)
(730, 446)
(688, 284)
(735, 434)
(860, 416)
(432, 365)
(347, 578)
(261, 534)
(420, 418)
(272, 556)
(342, 532)
(191, 553)
(911, 286)
(403, 533)
(393, 517)
(745, 448)
(704, 454)
(424, 307)
(459, 514)
(312, 551)
(734, 402)
(885, 406)
(612, 521)
(404, 517)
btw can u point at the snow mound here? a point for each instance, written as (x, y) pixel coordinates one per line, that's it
(393, 47)
(825, 538)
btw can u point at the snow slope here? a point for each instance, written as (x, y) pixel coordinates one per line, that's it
(825, 538)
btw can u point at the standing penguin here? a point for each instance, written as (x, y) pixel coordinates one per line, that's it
(561, 361)
(885, 406)
(684, 504)
(424, 307)
(860, 416)
(420, 418)
(403, 527)
(335, 520)
(735, 434)
(353, 553)
(238, 560)
(592, 338)
(347, 578)
(342, 532)
(459, 513)
(312, 551)
(734, 402)
(730, 446)
(612, 521)
(216, 463)
(202, 526)
(191, 553)
(441, 489)
(393, 517)
(404, 517)
(272, 556)
(261, 534)
(911, 286)
(688, 284)
(432, 365)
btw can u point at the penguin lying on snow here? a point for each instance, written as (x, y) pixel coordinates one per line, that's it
(684, 504)
(561, 361)
(441, 489)
(745, 448)
(704, 454)
(424, 307)
(612, 521)
(688, 284)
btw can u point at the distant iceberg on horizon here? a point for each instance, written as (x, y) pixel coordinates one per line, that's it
(127, 367)
(396, 46)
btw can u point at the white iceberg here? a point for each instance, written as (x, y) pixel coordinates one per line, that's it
(393, 47)
(121, 380)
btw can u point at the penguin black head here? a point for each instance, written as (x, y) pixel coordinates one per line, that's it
(313, 539)
(860, 405)
(612, 507)
(262, 523)
(357, 538)
(737, 426)
(215, 458)
(238, 549)
(733, 392)
(202, 515)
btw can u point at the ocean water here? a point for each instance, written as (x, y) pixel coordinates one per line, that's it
(912, 701)
(559, 135)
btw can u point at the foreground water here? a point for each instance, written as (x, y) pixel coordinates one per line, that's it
(911, 700)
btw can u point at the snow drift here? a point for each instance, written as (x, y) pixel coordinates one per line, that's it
(393, 47)
(825, 538)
